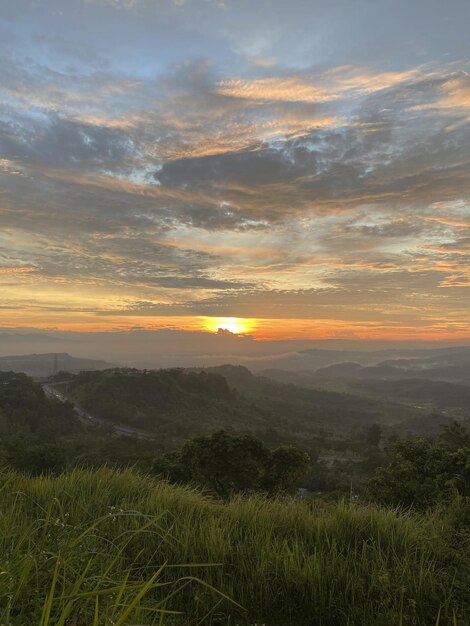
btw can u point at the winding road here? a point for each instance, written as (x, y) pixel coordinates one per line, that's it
(50, 389)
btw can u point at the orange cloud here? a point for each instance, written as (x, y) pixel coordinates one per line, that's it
(342, 81)
(281, 89)
(457, 93)
(123, 123)
(448, 221)
(18, 270)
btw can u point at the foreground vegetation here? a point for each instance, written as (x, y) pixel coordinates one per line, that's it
(106, 547)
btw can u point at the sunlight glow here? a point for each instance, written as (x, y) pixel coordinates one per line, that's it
(235, 325)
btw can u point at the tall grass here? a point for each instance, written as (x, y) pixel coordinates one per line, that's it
(106, 547)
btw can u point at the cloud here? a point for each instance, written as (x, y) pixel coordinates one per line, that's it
(17, 270)
(155, 169)
(117, 4)
(59, 142)
(284, 89)
(339, 83)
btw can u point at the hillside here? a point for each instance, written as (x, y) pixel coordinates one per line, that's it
(438, 393)
(26, 411)
(40, 433)
(337, 410)
(169, 402)
(427, 389)
(105, 547)
(177, 403)
(317, 367)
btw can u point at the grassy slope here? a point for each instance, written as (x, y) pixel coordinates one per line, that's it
(79, 549)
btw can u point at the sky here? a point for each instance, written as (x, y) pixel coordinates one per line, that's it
(284, 169)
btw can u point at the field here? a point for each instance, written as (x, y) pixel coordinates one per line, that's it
(107, 547)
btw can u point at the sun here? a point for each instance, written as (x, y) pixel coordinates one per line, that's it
(235, 325)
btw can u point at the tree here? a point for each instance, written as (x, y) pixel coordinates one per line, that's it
(373, 436)
(171, 467)
(455, 436)
(285, 468)
(421, 474)
(228, 464)
(225, 463)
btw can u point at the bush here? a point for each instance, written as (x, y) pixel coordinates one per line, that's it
(227, 464)
(421, 474)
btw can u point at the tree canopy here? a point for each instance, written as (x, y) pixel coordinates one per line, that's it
(423, 472)
(227, 464)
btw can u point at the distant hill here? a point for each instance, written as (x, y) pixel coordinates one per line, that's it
(388, 384)
(396, 370)
(327, 408)
(41, 365)
(453, 353)
(451, 364)
(441, 394)
(174, 403)
(332, 369)
(184, 403)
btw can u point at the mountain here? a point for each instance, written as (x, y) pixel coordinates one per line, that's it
(332, 369)
(180, 403)
(397, 370)
(427, 389)
(42, 365)
(441, 394)
(298, 403)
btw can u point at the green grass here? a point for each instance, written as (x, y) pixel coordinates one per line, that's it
(117, 548)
